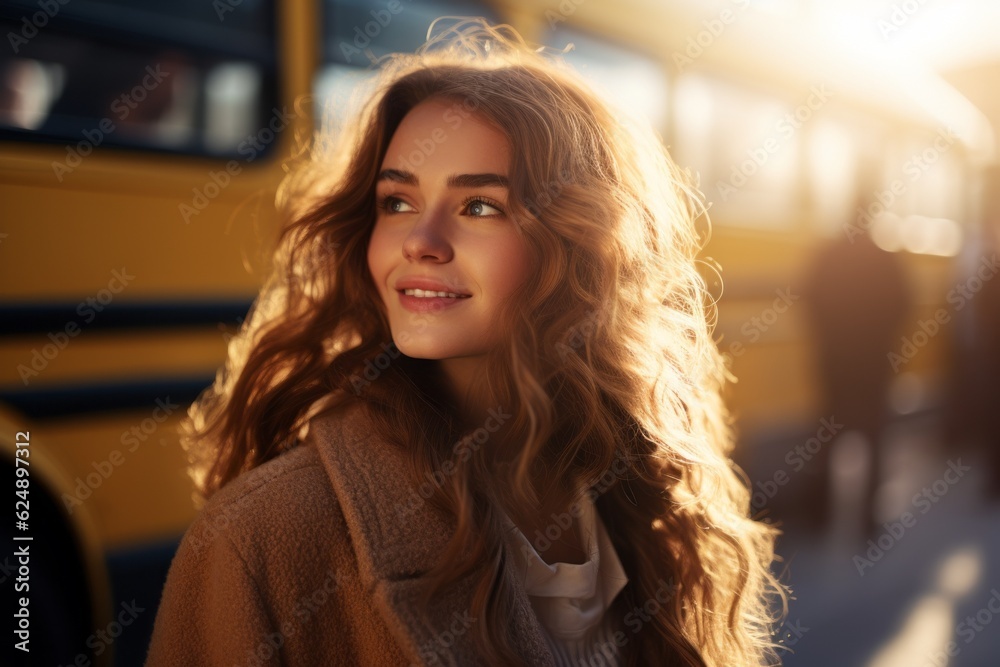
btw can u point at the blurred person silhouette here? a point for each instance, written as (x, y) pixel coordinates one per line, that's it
(856, 295)
(973, 404)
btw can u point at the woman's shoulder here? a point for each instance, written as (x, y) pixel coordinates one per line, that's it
(344, 492)
(289, 494)
(253, 563)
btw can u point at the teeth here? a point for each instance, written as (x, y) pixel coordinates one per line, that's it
(422, 293)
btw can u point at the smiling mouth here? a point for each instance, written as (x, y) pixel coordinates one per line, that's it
(428, 294)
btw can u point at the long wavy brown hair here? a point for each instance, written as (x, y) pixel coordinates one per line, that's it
(608, 361)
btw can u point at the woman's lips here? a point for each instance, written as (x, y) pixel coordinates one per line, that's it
(426, 301)
(429, 294)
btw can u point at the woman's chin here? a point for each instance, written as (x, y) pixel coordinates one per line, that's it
(425, 347)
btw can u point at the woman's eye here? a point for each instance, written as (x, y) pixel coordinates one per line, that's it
(482, 209)
(391, 204)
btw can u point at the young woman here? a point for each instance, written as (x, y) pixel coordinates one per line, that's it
(475, 417)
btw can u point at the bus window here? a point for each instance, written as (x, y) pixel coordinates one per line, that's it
(187, 77)
(745, 147)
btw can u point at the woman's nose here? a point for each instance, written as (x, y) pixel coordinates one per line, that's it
(428, 240)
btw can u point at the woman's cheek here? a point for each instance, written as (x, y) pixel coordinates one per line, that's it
(378, 260)
(513, 263)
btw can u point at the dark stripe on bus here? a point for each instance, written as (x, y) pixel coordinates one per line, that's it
(91, 398)
(46, 318)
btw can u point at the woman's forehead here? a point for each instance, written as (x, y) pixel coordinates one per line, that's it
(440, 136)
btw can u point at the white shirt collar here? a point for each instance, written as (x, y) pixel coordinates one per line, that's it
(570, 599)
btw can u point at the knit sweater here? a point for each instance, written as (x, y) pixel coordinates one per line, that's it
(571, 600)
(314, 558)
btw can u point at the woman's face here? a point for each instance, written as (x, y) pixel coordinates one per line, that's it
(443, 253)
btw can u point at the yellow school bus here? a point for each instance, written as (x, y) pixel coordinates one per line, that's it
(141, 144)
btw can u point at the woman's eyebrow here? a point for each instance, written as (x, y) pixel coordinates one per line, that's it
(477, 181)
(397, 175)
(455, 181)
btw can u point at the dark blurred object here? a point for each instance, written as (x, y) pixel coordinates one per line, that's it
(137, 578)
(56, 581)
(973, 414)
(857, 296)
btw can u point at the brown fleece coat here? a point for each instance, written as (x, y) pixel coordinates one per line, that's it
(313, 558)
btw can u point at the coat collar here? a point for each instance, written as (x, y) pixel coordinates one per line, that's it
(398, 536)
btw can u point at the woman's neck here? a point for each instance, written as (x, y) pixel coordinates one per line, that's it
(464, 377)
